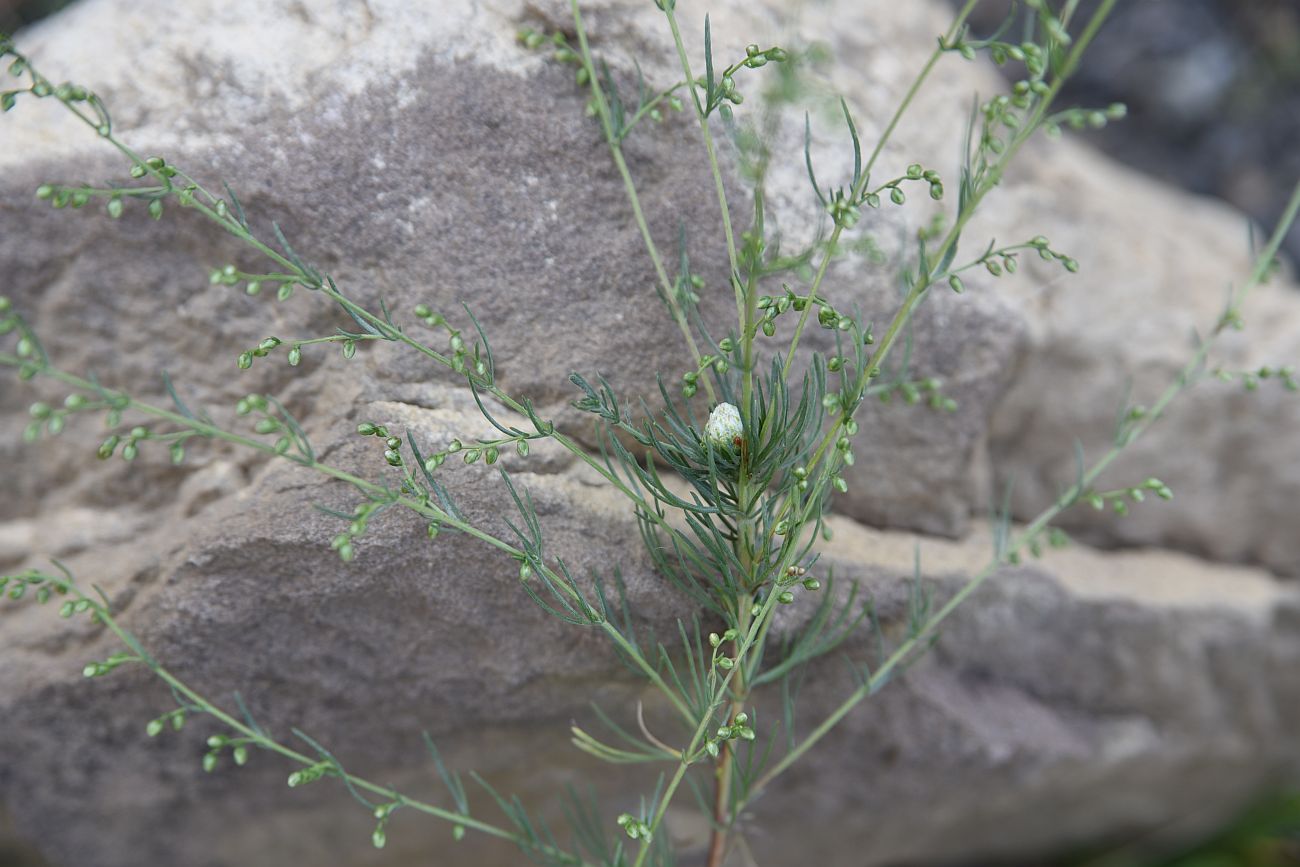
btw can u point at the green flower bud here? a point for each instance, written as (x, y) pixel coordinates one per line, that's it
(107, 448)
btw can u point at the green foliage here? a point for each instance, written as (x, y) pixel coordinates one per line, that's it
(730, 488)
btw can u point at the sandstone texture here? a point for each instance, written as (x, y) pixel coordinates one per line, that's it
(419, 154)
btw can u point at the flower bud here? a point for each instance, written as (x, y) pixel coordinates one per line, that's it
(724, 427)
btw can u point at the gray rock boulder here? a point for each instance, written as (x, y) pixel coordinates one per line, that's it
(428, 158)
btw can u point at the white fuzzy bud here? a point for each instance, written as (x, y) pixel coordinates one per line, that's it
(724, 427)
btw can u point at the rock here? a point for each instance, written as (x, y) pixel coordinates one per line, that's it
(434, 194)
(427, 158)
(1150, 673)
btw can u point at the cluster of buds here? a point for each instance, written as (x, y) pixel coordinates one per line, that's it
(799, 573)
(634, 827)
(738, 729)
(392, 444)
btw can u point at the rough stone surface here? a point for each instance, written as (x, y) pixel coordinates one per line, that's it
(425, 157)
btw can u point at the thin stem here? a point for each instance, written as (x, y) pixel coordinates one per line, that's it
(924, 281)
(235, 228)
(421, 507)
(259, 738)
(714, 168)
(323, 285)
(1181, 382)
(649, 107)
(865, 178)
(634, 200)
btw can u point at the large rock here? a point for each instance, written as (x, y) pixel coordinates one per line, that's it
(426, 157)
(465, 206)
(1151, 674)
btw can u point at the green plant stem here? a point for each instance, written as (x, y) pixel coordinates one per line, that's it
(917, 292)
(649, 107)
(831, 245)
(235, 228)
(726, 752)
(1184, 379)
(259, 738)
(316, 283)
(746, 642)
(634, 199)
(924, 281)
(719, 187)
(424, 509)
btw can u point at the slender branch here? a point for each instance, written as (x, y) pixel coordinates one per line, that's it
(258, 737)
(1184, 379)
(634, 200)
(958, 23)
(424, 508)
(719, 188)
